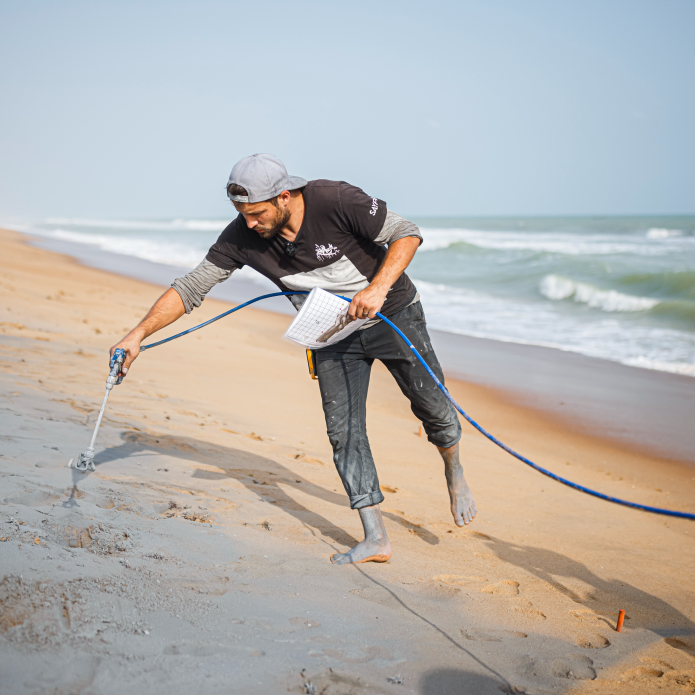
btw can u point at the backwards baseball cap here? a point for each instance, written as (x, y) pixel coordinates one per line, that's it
(263, 176)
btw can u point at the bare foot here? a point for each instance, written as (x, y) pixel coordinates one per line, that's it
(463, 506)
(375, 547)
(363, 552)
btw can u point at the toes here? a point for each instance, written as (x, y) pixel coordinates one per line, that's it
(466, 512)
(470, 513)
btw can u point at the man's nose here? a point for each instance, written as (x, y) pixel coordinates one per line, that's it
(251, 223)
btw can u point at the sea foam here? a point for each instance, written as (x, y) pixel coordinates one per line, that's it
(658, 233)
(169, 253)
(684, 368)
(150, 225)
(561, 243)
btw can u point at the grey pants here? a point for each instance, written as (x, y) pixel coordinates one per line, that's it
(344, 369)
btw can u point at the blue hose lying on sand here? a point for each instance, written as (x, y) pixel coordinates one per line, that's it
(492, 438)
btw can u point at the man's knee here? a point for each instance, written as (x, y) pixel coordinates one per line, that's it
(443, 431)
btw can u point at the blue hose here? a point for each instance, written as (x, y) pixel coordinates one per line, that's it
(221, 316)
(442, 388)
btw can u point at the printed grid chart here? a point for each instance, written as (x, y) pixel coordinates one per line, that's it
(322, 316)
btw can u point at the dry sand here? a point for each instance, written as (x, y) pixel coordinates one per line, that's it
(195, 558)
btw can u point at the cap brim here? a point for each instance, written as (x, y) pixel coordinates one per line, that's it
(296, 182)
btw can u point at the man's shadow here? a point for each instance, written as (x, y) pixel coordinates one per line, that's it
(605, 597)
(259, 475)
(455, 681)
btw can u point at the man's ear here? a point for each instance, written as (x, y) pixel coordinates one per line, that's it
(285, 197)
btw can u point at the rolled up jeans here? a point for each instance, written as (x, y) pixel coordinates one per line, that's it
(343, 371)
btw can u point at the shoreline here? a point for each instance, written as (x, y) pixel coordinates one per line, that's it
(639, 408)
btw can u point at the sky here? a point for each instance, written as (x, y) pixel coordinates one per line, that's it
(136, 110)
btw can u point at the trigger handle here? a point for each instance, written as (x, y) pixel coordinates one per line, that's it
(115, 364)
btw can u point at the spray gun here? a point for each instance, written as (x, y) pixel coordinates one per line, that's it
(85, 461)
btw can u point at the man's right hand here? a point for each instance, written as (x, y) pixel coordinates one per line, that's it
(131, 345)
(167, 309)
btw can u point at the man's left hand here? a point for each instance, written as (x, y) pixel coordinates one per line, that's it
(367, 302)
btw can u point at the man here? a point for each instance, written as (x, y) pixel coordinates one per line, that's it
(332, 235)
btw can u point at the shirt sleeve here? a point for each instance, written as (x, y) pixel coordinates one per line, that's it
(363, 214)
(194, 286)
(225, 253)
(395, 228)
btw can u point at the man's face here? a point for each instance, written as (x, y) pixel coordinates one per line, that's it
(265, 218)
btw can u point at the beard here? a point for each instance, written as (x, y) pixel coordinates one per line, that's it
(280, 220)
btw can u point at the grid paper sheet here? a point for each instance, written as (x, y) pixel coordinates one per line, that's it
(322, 312)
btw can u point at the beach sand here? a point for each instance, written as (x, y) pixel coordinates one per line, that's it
(195, 558)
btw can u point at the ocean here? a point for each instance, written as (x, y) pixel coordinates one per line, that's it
(619, 288)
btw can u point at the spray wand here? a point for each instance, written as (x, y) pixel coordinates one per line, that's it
(85, 461)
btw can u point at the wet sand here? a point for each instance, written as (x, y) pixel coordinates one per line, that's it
(195, 558)
(641, 408)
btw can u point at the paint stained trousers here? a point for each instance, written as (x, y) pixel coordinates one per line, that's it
(344, 370)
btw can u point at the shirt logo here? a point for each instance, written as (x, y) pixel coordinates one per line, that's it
(375, 207)
(323, 252)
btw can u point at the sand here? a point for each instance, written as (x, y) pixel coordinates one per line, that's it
(195, 558)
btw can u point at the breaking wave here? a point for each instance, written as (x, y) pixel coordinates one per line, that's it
(556, 288)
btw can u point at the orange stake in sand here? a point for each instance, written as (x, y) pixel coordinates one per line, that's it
(621, 617)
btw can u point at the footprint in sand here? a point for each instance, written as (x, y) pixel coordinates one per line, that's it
(574, 667)
(656, 663)
(659, 674)
(592, 642)
(33, 499)
(598, 619)
(656, 673)
(683, 643)
(491, 635)
(643, 672)
(528, 612)
(507, 587)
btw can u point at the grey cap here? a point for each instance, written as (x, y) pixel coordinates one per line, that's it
(264, 176)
